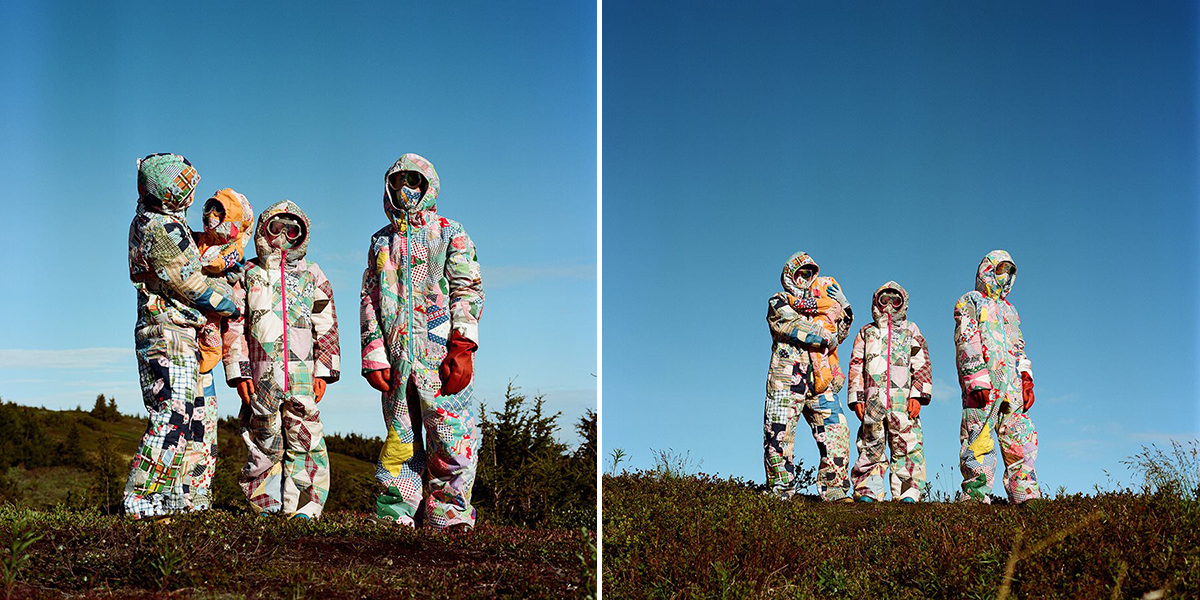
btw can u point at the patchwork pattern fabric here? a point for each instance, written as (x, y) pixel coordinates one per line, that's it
(167, 367)
(422, 281)
(222, 254)
(200, 462)
(990, 355)
(888, 367)
(803, 340)
(287, 338)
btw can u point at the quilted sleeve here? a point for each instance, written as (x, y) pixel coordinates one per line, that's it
(920, 371)
(235, 352)
(374, 351)
(171, 255)
(326, 348)
(856, 391)
(466, 284)
(1024, 365)
(787, 325)
(972, 368)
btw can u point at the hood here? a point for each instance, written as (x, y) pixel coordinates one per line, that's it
(265, 251)
(900, 315)
(794, 263)
(985, 277)
(170, 179)
(428, 201)
(239, 219)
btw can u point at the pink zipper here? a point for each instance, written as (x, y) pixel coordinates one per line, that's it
(283, 293)
(887, 385)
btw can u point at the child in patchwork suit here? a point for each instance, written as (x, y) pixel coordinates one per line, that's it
(228, 222)
(890, 379)
(284, 352)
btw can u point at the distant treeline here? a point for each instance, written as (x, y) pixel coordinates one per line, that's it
(526, 476)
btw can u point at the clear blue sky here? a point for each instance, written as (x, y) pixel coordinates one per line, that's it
(312, 102)
(902, 141)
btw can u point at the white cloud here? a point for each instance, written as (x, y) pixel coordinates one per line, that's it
(77, 358)
(944, 391)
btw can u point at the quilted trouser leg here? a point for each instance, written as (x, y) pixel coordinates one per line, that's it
(167, 366)
(779, 434)
(305, 460)
(977, 455)
(260, 478)
(867, 474)
(401, 464)
(908, 455)
(1018, 447)
(452, 447)
(829, 429)
(201, 460)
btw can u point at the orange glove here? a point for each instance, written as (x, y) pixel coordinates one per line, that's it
(458, 366)
(245, 389)
(379, 379)
(319, 388)
(914, 408)
(1027, 390)
(858, 408)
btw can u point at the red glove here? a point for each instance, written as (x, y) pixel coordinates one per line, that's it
(914, 408)
(245, 389)
(319, 388)
(458, 366)
(859, 409)
(379, 379)
(978, 398)
(1027, 390)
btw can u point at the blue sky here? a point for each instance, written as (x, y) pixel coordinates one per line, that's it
(312, 102)
(902, 141)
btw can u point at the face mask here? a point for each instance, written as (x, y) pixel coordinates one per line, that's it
(1002, 279)
(411, 195)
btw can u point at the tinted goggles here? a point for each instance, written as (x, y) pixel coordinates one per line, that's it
(285, 226)
(410, 179)
(892, 299)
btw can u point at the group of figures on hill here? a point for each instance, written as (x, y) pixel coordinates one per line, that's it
(888, 380)
(271, 320)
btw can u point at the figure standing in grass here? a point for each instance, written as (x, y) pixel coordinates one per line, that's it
(890, 380)
(807, 320)
(421, 300)
(283, 354)
(997, 386)
(228, 223)
(173, 297)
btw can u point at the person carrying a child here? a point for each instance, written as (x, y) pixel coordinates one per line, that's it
(280, 357)
(228, 224)
(422, 297)
(807, 321)
(996, 378)
(890, 380)
(173, 297)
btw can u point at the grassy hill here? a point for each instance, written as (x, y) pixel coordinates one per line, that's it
(682, 536)
(62, 474)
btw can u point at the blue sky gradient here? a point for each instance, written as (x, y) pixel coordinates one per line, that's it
(311, 102)
(902, 141)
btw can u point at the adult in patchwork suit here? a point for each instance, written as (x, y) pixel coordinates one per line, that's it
(173, 297)
(421, 300)
(798, 332)
(280, 357)
(889, 381)
(996, 378)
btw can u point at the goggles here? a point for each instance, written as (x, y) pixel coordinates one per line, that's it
(1006, 268)
(806, 272)
(889, 298)
(412, 179)
(214, 206)
(286, 226)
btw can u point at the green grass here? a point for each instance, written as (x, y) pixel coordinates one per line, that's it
(710, 538)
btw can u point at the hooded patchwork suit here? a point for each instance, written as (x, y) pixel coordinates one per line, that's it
(796, 336)
(287, 338)
(173, 297)
(422, 282)
(888, 367)
(221, 252)
(991, 357)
